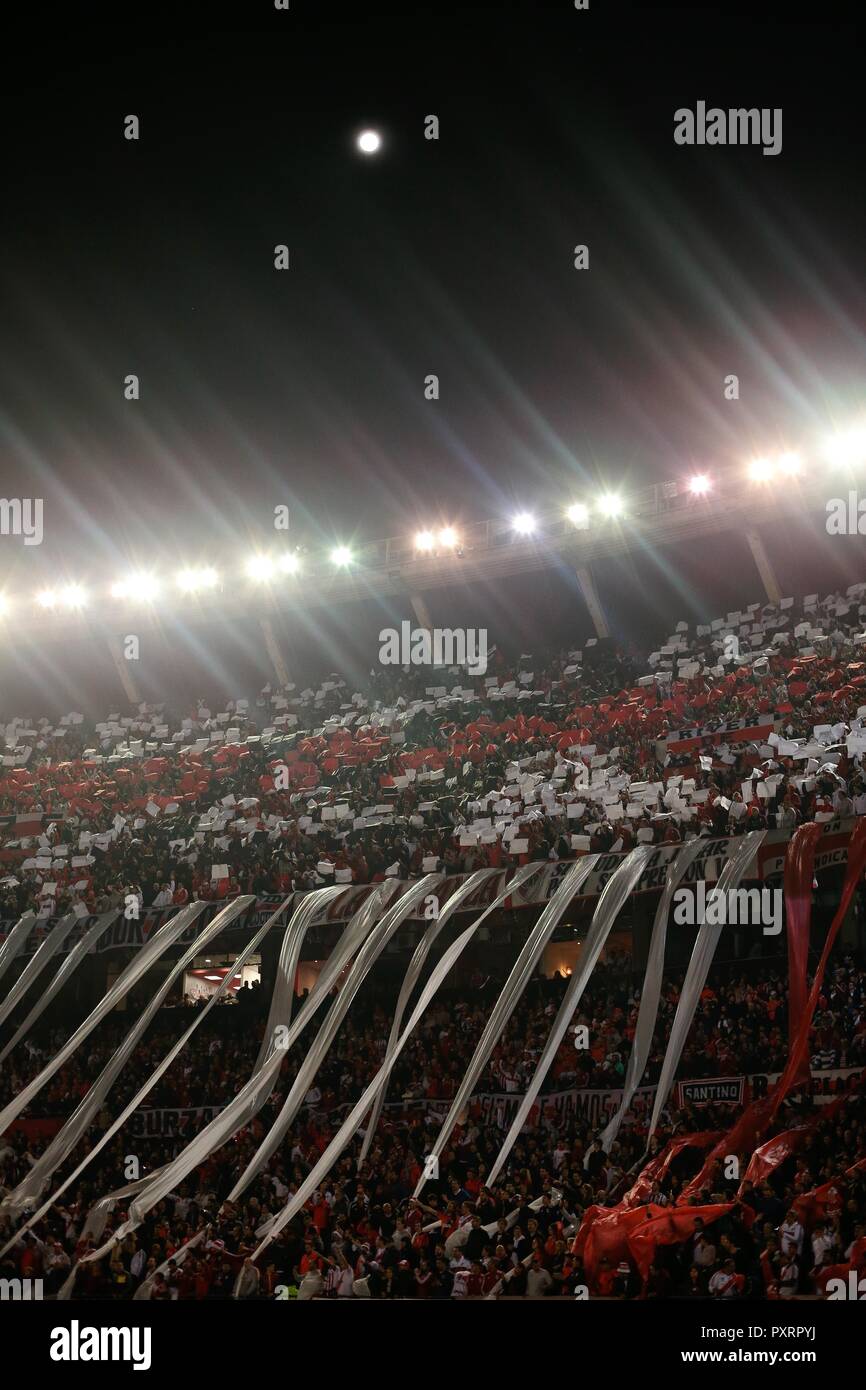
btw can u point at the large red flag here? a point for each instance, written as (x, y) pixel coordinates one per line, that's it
(758, 1116)
(672, 1225)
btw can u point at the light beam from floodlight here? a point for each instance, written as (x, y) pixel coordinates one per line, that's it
(259, 568)
(191, 580)
(846, 450)
(578, 513)
(290, 563)
(425, 540)
(790, 464)
(699, 484)
(73, 596)
(369, 141)
(610, 505)
(341, 555)
(141, 588)
(46, 598)
(761, 470)
(448, 537)
(524, 523)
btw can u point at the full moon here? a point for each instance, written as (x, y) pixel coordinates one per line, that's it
(369, 141)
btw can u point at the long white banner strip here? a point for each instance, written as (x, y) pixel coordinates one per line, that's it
(37, 963)
(61, 1146)
(137, 967)
(68, 965)
(15, 942)
(236, 1114)
(422, 950)
(262, 1079)
(367, 956)
(283, 996)
(385, 1071)
(651, 991)
(177, 1259)
(610, 904)
(151, 1081)
(507, 1001)
(359, 1110)
(696, 976)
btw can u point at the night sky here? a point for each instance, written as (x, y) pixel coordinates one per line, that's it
(452, 257)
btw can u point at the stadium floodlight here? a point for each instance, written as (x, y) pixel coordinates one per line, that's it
(610, 505)
(193, 580)
(425, 540)
(790, 464)
(578, 513)
(699, 484)
(290, 563)
(448, 537)
(259, 568)
(524, 523)
(73, 596)
(846, 450)
(4, 603)
(341, 555)
(761, 470)
(369, 141)
(46, 598)
(141, 588)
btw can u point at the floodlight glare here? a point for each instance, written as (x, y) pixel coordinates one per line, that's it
(448, 537)
(610, 505)
(578, 513)
(341, 555)
(73, 596)
(524, 524)
(760, 470)
(259, 568)
(46, 598)
(138, 587)
(424, 540)
(699, 484)
(192, 580)
(290, 563)
(790, 464)
(846, 450)
(369, 141)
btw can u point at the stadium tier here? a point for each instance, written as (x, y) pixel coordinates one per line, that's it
(585, 1100)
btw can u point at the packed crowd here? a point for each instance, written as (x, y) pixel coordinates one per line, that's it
(540, 759)
(755, 721)
(363, 1234)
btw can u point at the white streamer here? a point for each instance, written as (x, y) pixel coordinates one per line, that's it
(610, 904)
(696, 976)
(652, 988)
(507, 1001)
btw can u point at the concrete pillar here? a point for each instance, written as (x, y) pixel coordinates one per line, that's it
(593, 602)
(765, 569)
(124, 670)
(273, 649)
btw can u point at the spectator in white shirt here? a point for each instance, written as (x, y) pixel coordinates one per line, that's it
(791, 1235)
